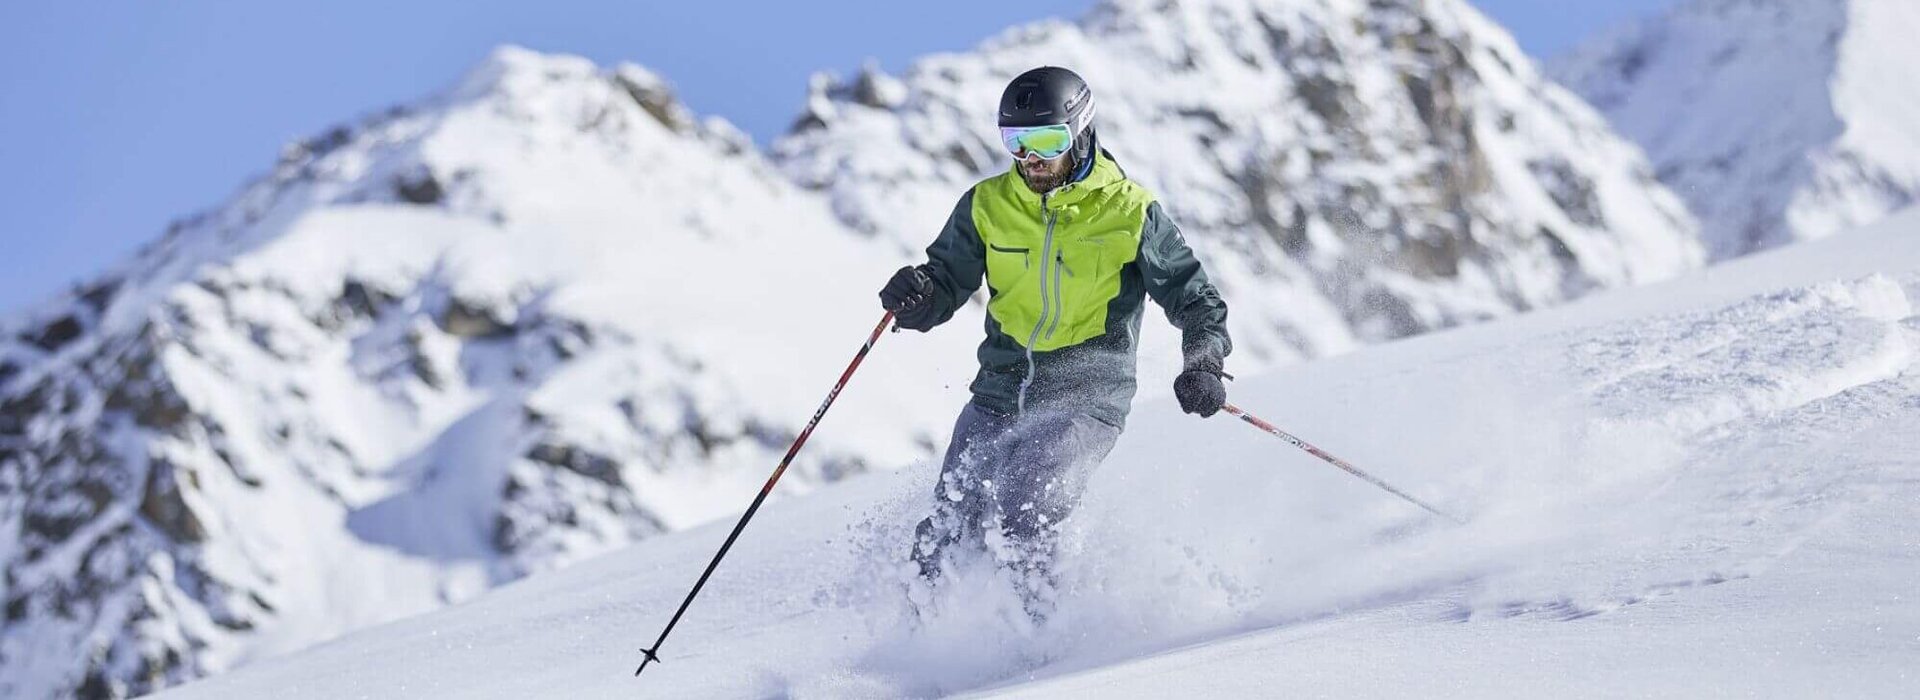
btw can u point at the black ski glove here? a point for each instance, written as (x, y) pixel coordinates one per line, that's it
(1199, 388)
(908, 292)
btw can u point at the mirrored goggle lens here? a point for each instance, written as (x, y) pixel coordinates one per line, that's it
(1048, 142)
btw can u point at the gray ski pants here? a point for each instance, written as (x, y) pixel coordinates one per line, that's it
(1021, 474)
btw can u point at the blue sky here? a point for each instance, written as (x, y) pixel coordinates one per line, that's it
(118, 117)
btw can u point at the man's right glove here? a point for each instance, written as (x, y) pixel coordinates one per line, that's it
(1199, 388)
(908, 292)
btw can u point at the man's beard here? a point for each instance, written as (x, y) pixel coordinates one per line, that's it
(1056, 175)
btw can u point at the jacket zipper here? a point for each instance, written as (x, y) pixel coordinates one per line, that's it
(1046, 305)
(1059, 299)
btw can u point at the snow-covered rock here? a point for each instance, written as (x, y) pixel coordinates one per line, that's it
(1350, 171)
(1777, 120)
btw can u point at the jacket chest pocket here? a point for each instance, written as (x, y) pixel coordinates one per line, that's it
(1008, 264)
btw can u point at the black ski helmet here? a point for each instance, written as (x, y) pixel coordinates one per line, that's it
(1051, 95)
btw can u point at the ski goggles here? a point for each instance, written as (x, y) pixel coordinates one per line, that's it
(1048, 142)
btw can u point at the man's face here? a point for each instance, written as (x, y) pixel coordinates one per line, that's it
(1043, 176)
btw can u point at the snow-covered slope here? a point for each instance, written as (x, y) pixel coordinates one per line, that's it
(1353, 170)
(550, 312)
(1705, 487)
(1777, 120)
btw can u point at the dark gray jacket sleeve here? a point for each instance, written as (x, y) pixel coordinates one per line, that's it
(956, 262)
(1178, 284)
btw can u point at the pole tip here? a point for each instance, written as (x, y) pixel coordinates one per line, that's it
(650, 658)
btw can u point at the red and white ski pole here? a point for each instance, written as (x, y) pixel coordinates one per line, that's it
(652, 654)
(1330, 459)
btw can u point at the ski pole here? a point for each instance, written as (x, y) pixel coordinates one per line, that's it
(1330, 459)
(652, 654)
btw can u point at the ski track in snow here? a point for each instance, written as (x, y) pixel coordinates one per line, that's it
(1683, 496)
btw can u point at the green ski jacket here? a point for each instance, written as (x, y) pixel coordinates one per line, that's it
(1067, 274)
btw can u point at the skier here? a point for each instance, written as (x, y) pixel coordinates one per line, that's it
(1069, 248)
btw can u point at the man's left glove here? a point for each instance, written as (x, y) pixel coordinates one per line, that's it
(907, 292)
(1199, 388)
